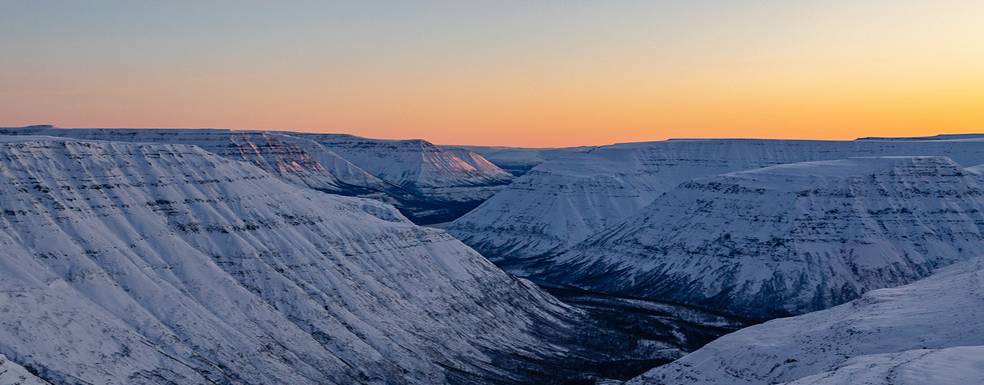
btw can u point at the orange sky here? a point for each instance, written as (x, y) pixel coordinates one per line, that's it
(550, 74)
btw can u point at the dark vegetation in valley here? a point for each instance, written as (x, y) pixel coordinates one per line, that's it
(423, 212)
(621, 339)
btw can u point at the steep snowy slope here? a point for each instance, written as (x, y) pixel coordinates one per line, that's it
(516, 160)
(13, 374)
(478, 162)
(565, 200)
(928, 332)
(786, 239)
(961, 365)
(420, 165)
(158, 264)
(308, 163)
(978, 169)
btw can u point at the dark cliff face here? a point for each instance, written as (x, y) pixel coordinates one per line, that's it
(786, 239)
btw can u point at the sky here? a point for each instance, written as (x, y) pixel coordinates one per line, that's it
(518, 73)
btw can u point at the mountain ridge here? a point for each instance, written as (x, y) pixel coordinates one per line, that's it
(122, 256)
(301, 159)
(785, 239)
(564, 200)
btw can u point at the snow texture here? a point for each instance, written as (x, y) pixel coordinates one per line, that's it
(786, 239)
(131, 263)
(927, 332)
(518, 161)
(569, 198)
(420, 178)
(453, 175)
(13, 374)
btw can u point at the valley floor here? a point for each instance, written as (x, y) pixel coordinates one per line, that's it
(629, 337)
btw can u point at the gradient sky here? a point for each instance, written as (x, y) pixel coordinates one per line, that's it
(527, 73)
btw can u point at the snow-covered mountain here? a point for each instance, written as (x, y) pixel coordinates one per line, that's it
(417, 163)
(478, 162)
(786, 239)
(978, 169)
(516, 160)
(940, 137)
(300, 161)
(13, 374)
(131, 263)
(927, 332)
(959, 365)
(567, 199)
(451, 181)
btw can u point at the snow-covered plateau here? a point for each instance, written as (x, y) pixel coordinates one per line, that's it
(785, 239)
(568, 198)
(427, 183)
